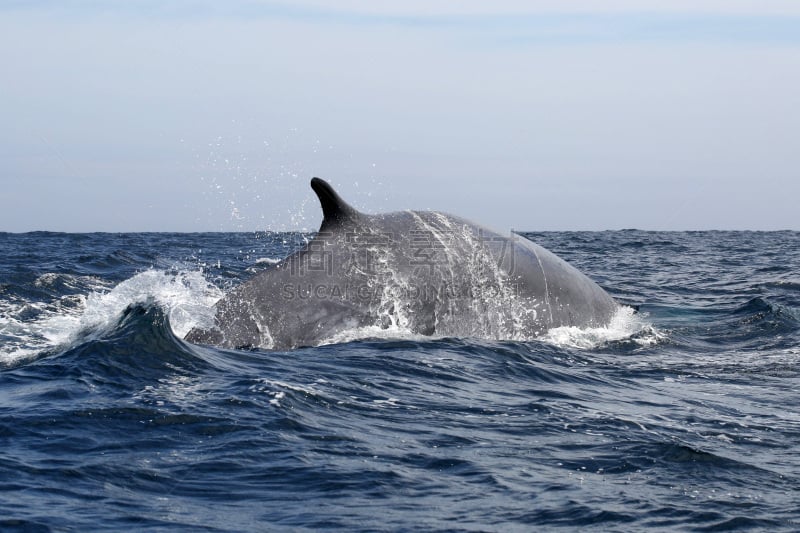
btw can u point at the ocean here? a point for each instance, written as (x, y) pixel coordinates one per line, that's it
(683, 414)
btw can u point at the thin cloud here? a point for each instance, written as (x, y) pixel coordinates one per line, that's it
(773, 23)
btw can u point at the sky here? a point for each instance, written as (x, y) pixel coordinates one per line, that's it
(527, 115)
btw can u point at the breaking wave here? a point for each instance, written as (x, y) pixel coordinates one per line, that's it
(31, 328)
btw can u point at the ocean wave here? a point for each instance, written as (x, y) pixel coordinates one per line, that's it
(140, 348)
(676, 417)
(29, 328)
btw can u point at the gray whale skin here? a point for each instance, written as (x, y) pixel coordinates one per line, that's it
(420, 272)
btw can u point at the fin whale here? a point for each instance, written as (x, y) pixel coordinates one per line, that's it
(423, 272)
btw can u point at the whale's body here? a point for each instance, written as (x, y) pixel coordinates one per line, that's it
(424, 272)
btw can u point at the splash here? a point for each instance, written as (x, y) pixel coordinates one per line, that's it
(392, 332)
(466, 290)
(625, 324)
(186, 297)
(470, 296)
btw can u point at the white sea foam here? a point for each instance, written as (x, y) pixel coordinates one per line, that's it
(393, 331)
(267, 261)
(625, 324)
(186, 297)
(277, 390)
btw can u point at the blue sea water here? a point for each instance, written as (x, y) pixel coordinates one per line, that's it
(684, 415)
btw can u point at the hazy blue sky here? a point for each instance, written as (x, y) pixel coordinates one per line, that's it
(549, 115)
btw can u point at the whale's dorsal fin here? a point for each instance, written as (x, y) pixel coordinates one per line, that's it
(335, 211)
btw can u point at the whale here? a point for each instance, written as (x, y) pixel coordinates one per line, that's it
(425, 273)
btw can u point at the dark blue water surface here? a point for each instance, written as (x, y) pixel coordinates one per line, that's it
(685, 415)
